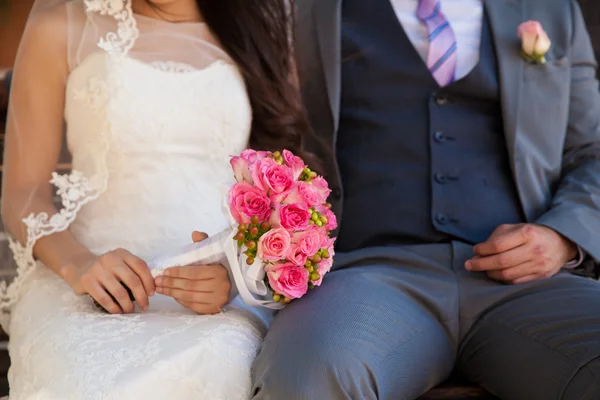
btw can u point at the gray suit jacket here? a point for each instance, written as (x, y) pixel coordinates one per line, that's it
(551, 111)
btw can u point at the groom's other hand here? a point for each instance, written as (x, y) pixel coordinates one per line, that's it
(522, 253)
(203, 289)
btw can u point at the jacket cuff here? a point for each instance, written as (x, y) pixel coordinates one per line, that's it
(578, 261)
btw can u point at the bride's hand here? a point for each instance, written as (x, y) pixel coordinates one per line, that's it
(104, 276)
(203, 289)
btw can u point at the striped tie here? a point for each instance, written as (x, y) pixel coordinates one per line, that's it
(441, 59)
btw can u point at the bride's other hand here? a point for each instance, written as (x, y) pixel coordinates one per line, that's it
(102, 275)
(203, 289)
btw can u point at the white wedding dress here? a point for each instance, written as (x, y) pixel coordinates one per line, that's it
(151, 145)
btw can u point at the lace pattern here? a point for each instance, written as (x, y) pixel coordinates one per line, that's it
(122, 41)
(99, 354)
(74, 189)
(173, 67)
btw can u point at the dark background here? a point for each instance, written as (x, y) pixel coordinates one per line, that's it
(591, 13)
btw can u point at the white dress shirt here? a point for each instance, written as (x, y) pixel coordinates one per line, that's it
(465, 18)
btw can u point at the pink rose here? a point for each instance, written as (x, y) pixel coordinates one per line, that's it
(241, 169)
(296, 256)
(282, 198)
(331, 224)
(535, 41)
(294, 162)
(293, 217)
(253, 156)
(312, 194)
(274, 245)
(288, 280)
(272, 177)
(300, 192)
(311, 240)
(325, 265)
(246, 201)
(306, 244)
(322, 188)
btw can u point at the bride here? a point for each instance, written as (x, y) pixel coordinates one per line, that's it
(155, 97)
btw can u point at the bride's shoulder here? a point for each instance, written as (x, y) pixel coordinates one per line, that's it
(49, 27)
(46, 40)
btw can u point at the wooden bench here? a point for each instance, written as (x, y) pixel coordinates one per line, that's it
(457, 388)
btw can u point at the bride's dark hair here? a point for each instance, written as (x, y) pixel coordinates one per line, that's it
(257, 36)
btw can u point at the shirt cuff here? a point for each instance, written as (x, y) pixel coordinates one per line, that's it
(577, 262)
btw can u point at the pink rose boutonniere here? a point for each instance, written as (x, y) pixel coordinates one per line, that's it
(535, 42)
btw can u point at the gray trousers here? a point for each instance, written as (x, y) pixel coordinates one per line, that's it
(390, 323)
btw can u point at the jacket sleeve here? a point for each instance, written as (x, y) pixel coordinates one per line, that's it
(575, 208)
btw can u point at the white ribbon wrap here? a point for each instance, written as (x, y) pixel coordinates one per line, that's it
(247, 280)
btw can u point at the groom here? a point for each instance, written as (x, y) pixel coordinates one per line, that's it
(467, 183)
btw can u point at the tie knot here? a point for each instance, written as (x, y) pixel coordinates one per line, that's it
(428, 9)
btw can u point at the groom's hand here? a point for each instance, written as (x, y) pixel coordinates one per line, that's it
(203, 289)
(522, 253)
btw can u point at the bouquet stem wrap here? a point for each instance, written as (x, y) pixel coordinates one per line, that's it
(247, 280)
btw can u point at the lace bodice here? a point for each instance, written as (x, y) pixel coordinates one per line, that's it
(167, 135)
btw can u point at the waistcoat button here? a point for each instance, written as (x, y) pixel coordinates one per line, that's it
(441, 179)
(441, 99)
(442, 219)
(439, 137)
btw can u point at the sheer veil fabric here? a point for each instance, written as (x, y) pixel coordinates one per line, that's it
(82, 30)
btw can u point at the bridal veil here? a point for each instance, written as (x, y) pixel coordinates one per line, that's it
(42, 190)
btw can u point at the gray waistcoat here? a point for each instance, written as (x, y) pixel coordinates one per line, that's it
(419, 164)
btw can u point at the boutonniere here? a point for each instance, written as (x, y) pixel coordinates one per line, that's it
(535, 42)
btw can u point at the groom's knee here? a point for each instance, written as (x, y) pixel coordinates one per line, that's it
(311, 373)
(584, 384)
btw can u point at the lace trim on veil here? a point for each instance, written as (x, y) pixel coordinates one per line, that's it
(74, 189)
(121, 41)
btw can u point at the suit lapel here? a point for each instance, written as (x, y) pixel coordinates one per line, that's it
(328, 15)
(505, 16)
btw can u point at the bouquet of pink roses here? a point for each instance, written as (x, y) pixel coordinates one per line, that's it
(284, 221)
(279, 245)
